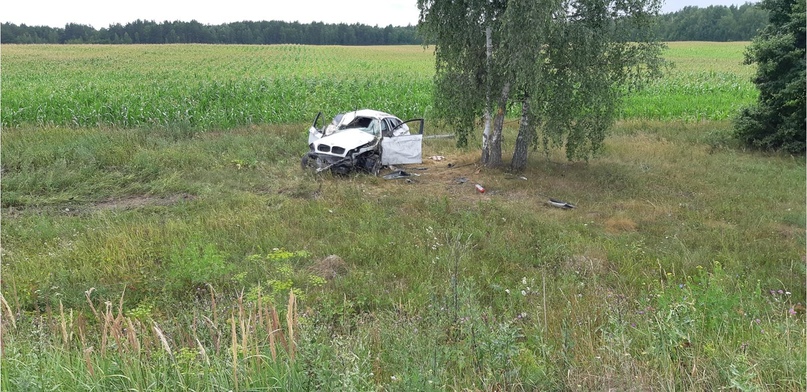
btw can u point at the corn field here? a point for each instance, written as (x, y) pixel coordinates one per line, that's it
(220, 87)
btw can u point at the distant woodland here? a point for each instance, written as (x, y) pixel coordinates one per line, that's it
(713, 23)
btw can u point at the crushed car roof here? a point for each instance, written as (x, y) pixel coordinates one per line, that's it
(348, 116)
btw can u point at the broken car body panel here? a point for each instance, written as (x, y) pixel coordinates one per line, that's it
(363, 139)
(402, 150)
(340, 144)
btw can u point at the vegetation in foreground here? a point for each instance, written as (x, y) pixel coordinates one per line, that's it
(136, 259)
(174, 256)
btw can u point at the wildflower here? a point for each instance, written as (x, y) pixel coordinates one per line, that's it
(507, 291)
(780, 291)
(791, 312)
(524, 293)
(524, 281)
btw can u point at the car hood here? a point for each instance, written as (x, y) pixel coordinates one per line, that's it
(347, 139)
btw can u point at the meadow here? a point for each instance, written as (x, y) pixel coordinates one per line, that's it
(159, 235)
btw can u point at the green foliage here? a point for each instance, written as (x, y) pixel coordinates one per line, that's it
(779, 118)
(194, 266)
(116, 87)
(715, 23)
(244, 33)
(570, 63)
(279, 84)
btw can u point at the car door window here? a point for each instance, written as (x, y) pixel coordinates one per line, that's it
(386, 130)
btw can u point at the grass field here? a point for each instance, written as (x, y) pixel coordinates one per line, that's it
(188, 251)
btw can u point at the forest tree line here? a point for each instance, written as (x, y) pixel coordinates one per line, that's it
(713, 23)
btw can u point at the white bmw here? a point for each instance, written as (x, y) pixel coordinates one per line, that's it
(362, 140)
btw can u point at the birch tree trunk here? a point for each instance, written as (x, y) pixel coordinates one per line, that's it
(495, 144)
(486, 131)
(523, 140)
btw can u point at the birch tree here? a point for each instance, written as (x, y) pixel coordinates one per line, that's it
(565, 63)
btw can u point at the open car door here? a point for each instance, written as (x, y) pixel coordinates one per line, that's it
(314, 133)
(403, 149)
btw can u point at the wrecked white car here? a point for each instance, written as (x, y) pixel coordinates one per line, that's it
(362, 140)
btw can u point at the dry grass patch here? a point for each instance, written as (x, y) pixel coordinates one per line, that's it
(618, 225)
(330, 267)
(787, 232)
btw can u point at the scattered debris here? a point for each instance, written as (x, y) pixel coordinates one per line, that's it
(512, 177)
(461, 180)
(446, 136)
(560, 204)
(399, 174)
(437, 158)
(479, 188)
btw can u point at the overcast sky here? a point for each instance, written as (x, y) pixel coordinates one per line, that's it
(102, 13)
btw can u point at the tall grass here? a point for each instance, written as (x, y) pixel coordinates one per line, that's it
(204, 87)
(665, 277)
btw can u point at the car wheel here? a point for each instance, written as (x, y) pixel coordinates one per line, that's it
(304, 162)
(308, 162)
(376, 168)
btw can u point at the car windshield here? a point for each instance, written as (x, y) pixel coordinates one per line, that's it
(366, 124)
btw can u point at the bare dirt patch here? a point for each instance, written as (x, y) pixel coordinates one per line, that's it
(133, 202)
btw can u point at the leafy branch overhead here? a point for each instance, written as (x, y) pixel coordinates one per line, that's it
(567, 63)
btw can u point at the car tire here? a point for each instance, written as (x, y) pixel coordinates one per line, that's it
(304, 161)
(376, 168)
(308, 162)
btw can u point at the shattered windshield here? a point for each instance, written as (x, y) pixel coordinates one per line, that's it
(366, 124)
